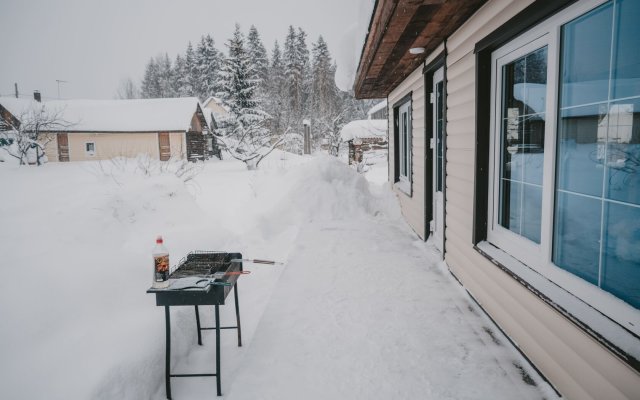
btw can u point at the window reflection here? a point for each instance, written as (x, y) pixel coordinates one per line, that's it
(597, 216)
(522, 150)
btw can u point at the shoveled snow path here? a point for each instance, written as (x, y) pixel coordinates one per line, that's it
(387, 322)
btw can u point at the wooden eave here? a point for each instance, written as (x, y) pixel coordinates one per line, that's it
(397, 26)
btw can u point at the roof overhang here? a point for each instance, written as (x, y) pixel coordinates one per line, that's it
(397, 26)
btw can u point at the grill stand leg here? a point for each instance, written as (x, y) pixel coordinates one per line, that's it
(235, 295)
(218, 383)
(198, 325)
(167, 365)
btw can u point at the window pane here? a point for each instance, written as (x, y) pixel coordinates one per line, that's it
(439, 128)
(531, 212)
(532, 148)
(510, 203)
(580, 149)
(586, 57)
(623, 152)
(535, 95)
(621, 258)
(626, 69)
(524, 83)
(577, 235)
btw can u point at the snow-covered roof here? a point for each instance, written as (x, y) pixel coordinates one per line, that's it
(364, 128)
(377, 107)
(17, 106)
(218, 101)
(137, 115)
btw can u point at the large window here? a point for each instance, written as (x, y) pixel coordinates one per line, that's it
(565, 148)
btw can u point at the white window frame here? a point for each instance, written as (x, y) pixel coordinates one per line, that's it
(539, 256)
(90, 153)
(404, 179)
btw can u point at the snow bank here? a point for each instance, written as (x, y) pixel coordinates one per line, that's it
(76, 241)
(366, 128)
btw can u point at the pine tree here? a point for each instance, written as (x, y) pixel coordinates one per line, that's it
(323, 87)
(293, 80)
(165, 76)
(179, 74)
(150, 85)
(207, 65)
(190, 84)
(247, 138)
(276, 97)
(257, 54)
(305, 68)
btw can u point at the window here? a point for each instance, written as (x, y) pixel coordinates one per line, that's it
(564, 164)
(402, 144)
(90, 148)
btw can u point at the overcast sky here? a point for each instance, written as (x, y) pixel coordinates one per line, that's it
(93, 44)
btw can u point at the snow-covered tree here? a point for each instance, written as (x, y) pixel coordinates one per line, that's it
(165, 76)
(30, 132)
(187, 77)
(245, 134)
(258, 54)
(276, 98)
(207, 64)
(150, 83)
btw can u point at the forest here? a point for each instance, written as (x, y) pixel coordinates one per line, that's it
(269, 94)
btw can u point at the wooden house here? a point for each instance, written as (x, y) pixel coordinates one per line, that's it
(362, 136)
(514, 132)
(103, 129)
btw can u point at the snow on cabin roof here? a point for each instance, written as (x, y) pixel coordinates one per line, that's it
(217, 101)
(19, 106)
(377, 107)
(365, 128)
(169, 114)
(137, 115)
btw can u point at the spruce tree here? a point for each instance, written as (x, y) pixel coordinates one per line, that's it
(150, 85)
(165, 76)
(190, 84)
(293, 79)
(207, 67)
(257, 54)
(276, 98)
(246, 136)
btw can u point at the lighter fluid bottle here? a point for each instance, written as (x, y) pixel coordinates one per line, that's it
(160, 264)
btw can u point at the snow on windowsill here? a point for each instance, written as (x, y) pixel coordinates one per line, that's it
(621, 341)
(403, 186)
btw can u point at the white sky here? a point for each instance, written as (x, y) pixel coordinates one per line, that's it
(93, 44)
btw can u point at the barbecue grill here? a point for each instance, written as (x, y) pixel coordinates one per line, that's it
(201, 278)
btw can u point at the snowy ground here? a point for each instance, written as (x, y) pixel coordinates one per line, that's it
(361, 309)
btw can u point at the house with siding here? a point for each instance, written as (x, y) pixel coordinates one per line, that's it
(514, 147)
(104, 129)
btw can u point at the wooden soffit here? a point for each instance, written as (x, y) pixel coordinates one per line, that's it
(397, 26)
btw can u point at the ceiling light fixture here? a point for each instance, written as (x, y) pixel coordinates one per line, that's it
(416, 50)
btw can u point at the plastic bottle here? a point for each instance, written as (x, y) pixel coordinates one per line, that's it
(160, 264)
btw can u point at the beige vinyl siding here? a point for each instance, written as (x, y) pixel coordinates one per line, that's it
(412, 206)
(574, 362)
(110, 145)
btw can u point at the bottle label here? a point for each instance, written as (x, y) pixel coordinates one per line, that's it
(161, 267)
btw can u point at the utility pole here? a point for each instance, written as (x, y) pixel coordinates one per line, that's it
(16, 87)
(59, 82)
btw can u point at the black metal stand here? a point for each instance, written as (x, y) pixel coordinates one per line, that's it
(217, 328)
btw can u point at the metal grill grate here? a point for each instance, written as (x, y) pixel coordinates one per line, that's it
(202, 263)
